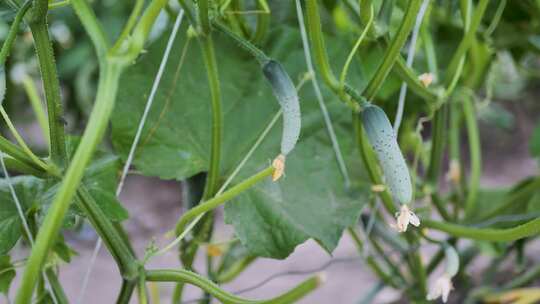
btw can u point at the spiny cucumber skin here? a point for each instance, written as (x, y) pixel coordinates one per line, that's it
(381, 136)
(452, 261)
(285, 92)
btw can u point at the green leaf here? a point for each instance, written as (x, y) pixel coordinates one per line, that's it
(7, 273)
(310, 201)
(29, 190)
(101, 180)
(270, 219)
(62, 249)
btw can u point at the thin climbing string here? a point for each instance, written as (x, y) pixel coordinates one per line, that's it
(320, 100)
(410, 60)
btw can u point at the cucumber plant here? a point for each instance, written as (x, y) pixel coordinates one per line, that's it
(205, 116)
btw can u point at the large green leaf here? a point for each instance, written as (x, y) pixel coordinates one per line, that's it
(272, 218)
(309, 202)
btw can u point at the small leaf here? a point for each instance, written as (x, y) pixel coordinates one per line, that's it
(101, 180)
(28, 190)
(62, 249)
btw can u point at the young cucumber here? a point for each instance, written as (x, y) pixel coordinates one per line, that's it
(287, 97)
(383, 140)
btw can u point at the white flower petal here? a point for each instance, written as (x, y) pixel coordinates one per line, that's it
(441, 288)
(413, 219)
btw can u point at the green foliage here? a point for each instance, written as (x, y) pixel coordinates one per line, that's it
(213, 104)
(29, 190)
(174, 132)
(7, 273)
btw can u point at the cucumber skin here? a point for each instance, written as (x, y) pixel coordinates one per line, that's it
(381, 136)
(286, 94)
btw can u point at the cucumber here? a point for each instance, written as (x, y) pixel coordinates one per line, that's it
(286, 94)
(382, 138)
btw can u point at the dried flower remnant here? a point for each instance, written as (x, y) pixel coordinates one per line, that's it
(279, 167)
(378, 188)
(426, 79)
(405, 217)
(454, 172)
(214, 250)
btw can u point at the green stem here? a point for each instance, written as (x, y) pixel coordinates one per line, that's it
(454, 132)
(204, 21)
(205, 228)
(229, 274)
(317, 44)
(209, 57)
(141, 31)
(465, 43)
(221, 199)
(245, 44)
(395, 272)
(475, 156)
(413, 83)
(24, 168)
(35, 160)
(141, 288)
(126, 291)
(263, 21)
(51, 86)
(372, 262)
(192, 278)
(437, 146)
(353, 51)
(137, 8)
(496, 18)
(13, 30)
(486, 234)
(56, 287)
(92, 27)
(440, 206)
(393, 50)
(429, 49)
(37, 106)
(524, 279)
(188, 11)
(107, 231)
(106, 93)
(21, 155)
(58, 4)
